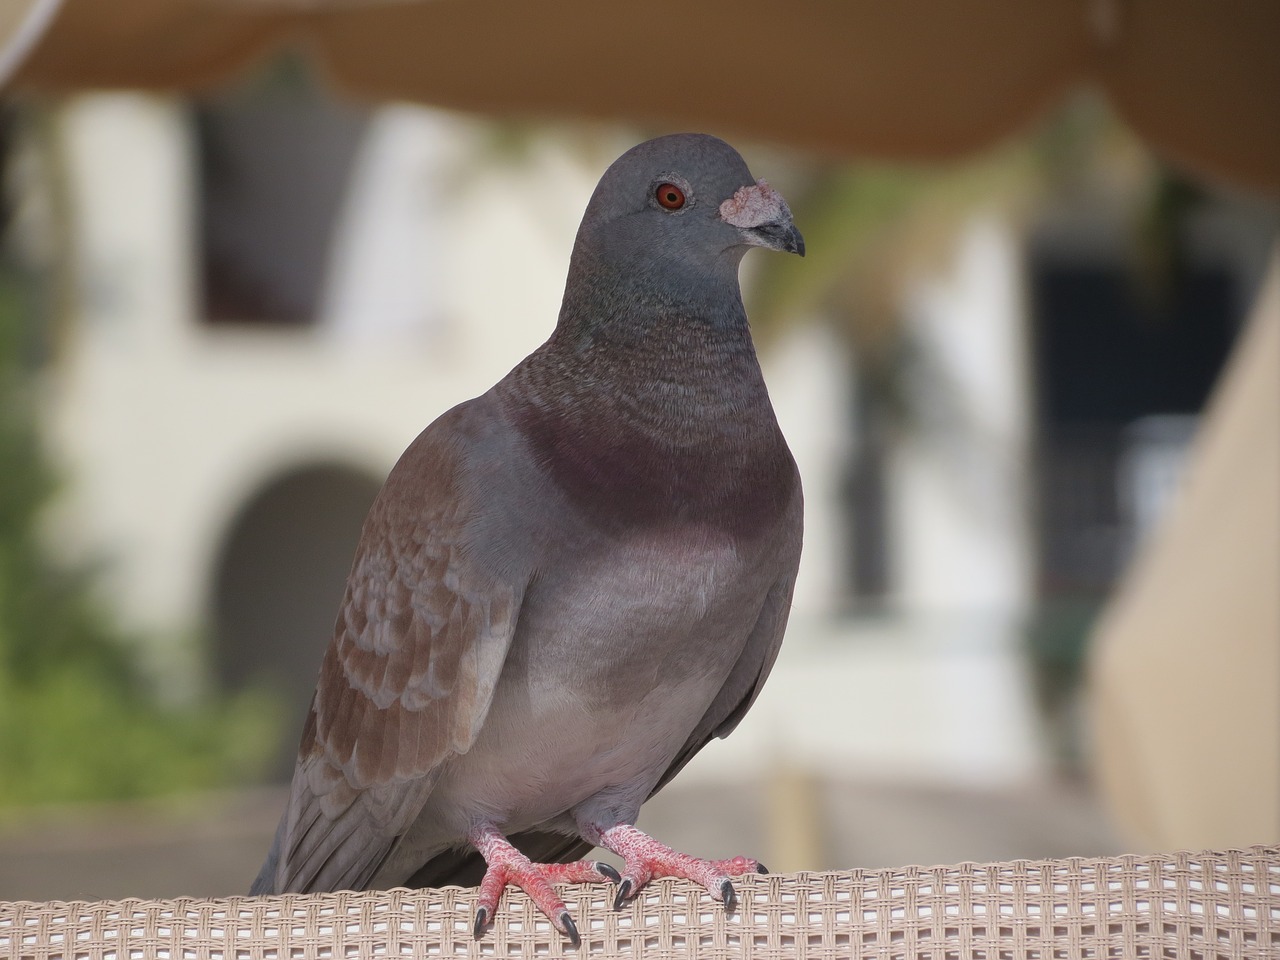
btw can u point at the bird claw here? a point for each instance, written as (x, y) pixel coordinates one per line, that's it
(508, 866)
(564, 923)
(535, 880)
(728, 896)
(624, 894)
(646, 858)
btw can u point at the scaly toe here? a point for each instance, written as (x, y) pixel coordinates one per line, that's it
(507, 866)
(535, 880)
(579, 871)
(647, 858)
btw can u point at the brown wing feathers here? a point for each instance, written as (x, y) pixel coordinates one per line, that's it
(405, 683)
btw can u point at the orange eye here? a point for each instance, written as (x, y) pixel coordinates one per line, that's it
(669, 196)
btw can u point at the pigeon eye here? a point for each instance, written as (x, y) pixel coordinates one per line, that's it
(669, 196)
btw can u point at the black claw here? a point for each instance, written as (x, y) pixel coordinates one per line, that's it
(761, 868)
(570, 929)
(606, 870)
(482, 918)
(729, 896)
(624, 894)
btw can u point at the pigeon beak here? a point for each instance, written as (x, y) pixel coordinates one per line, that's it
(763, 218)
(778, 235)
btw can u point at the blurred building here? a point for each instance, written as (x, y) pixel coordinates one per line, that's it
(274, 292)
(271, 297)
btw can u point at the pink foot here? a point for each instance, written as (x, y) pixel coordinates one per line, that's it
(646, 858)
(507, 865)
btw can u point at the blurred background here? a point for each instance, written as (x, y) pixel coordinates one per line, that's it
(240, 272)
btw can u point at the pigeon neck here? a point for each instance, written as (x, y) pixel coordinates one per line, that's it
(623, 301)
(677, 363)
(652, 410)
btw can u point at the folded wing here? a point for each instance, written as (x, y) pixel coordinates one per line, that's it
(407, 680)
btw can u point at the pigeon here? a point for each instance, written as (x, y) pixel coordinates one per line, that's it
(570, 584)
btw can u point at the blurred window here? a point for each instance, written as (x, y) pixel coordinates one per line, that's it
(275, 156)
(866, 503)
(1112, 353)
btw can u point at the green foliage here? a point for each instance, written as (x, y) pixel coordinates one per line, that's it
(77, 720)
(75, 735)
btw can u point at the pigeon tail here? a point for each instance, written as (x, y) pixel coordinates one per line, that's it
(265, 883)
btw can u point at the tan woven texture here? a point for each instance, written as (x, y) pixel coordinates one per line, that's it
(1178, 905)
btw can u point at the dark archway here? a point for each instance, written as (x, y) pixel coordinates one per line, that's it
(278, 580)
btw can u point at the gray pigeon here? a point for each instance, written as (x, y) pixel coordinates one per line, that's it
(570, 584)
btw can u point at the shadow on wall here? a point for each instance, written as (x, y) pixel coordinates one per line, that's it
(278, 580)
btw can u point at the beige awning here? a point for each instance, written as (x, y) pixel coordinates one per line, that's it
(913, 79)
(1185, 665)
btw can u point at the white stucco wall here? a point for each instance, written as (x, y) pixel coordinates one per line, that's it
(166, 426)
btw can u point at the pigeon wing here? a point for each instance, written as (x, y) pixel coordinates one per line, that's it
(407, 680)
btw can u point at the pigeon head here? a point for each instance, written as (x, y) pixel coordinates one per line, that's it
(677, 213)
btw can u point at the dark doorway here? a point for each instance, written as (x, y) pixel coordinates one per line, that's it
(278, 580)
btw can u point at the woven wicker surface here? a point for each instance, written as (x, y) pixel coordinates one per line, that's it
(1177, 905)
